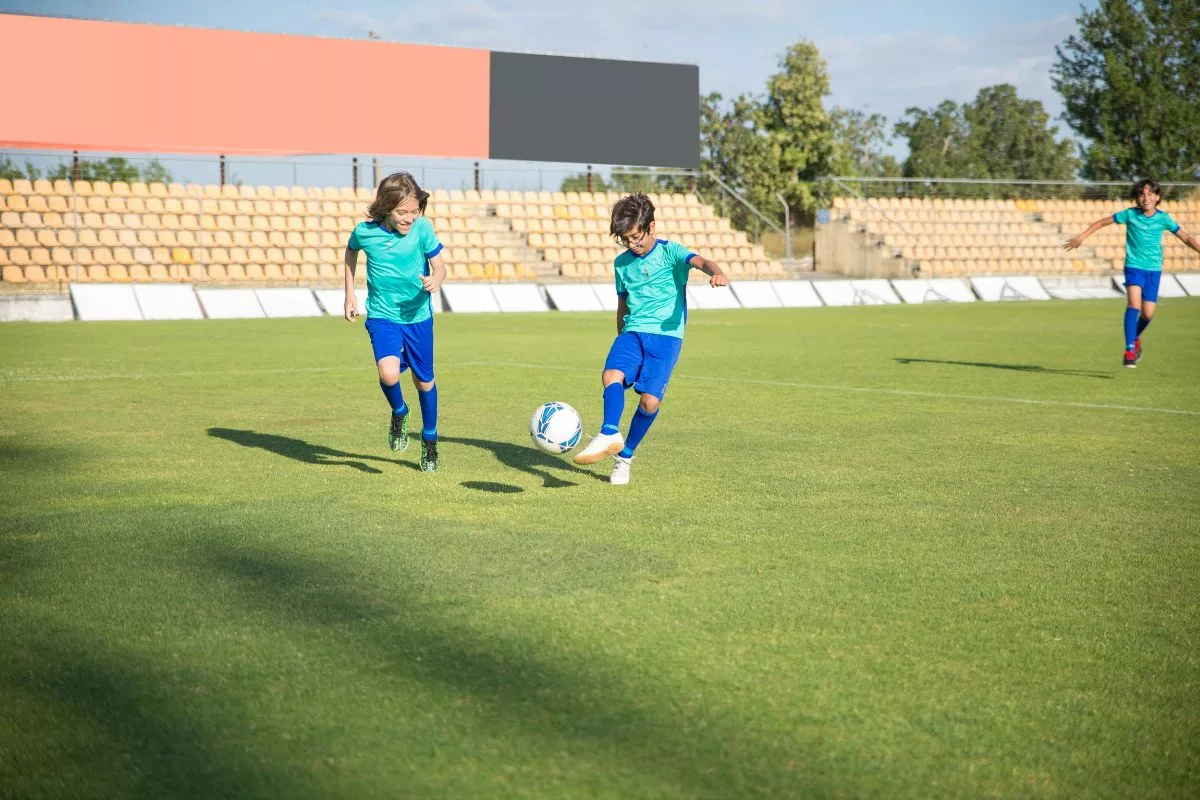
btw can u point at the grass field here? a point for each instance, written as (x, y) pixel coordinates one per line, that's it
(928, 551)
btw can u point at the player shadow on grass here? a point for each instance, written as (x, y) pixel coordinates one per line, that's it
(303, 451)
(527, 459)
(1079, 373)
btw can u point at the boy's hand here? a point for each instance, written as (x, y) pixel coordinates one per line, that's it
(718, 278)
(351, 308)
(431, 283)
(1073, 243)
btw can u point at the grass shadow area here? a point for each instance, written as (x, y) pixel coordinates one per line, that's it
(1032, 368)
(604, 718)
(305, 452)
(529, 460)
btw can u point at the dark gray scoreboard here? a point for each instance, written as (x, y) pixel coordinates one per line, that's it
(596, 111)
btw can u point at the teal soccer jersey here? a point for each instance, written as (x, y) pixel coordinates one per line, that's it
(395, 264)
(1143, 237)
(654, 288)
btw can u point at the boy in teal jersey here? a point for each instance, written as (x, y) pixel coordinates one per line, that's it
(404, 268)
(651, 278)
(1144, 226)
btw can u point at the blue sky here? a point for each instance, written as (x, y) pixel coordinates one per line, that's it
(882, 56)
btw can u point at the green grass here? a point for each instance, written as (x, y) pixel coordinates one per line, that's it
(943, 551)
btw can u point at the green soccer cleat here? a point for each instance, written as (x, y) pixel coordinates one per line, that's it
(429, 456)
(398, 435)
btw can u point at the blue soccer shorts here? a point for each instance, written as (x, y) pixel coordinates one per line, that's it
(1148, 279)
(412, 343)
(646, 359)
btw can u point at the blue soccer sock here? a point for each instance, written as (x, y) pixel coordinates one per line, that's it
(429, 404)
(1131, 326)
(638, 426)
(394, 397)
(614, 406)
(1143, 323)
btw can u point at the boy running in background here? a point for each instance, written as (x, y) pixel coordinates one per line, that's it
(651, 277)
(404, 268)
(1144, 226)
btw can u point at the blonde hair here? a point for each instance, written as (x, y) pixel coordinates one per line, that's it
(392, 191)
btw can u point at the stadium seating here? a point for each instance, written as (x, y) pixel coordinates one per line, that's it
(103, 232)
(955, 237)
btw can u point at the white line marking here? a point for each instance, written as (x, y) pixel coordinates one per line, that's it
(148, 376)
(15, 378)
(866, 390)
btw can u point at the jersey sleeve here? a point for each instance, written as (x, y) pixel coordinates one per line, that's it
(430, 245)
(680, 255)
(1121, 217)
(1171, 225)
(621, 290)
(353, 242)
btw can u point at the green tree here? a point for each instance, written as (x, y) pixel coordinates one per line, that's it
(937, 141)
(997, 136)
(629, 179)
(797, 125)
(1129, 82)
(578, 182)
(858, 145)
(736, 150)
(10, 170)
(779, 144)
(1012, 138)
(113, 169)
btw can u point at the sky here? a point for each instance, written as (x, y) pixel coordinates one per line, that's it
(882, 56)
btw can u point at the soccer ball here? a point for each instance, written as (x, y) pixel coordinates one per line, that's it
(555, 428)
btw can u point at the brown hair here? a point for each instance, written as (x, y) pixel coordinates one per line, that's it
(633, 211)
(392, 191)
(1147, 183)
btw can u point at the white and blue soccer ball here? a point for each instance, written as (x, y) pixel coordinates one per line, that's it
(555, 428)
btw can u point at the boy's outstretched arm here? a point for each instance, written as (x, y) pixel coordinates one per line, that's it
(1095, 226)
(351, 304)
(1188, 239)
(716, 275)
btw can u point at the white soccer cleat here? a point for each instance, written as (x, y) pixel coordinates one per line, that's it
(620, 473)
(600, 447)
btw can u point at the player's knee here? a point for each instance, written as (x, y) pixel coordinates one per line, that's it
(389, 374)
(612, 376)
(423, 386)
(649, 403)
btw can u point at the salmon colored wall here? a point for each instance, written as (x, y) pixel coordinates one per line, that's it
(82, 85)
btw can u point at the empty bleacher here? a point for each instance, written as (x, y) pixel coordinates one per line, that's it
(61, 231)
(957, 237)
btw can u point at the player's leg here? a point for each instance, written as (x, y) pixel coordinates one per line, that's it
(388, 346)
(662, 353)
(1134, 280)
(418, 349)
(621, 368)
(1149, 304)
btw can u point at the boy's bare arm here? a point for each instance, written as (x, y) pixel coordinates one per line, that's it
(717, 276)
(437, 274)
(1095, 226)
(622, 310)
(351, 303)
(1188, 239)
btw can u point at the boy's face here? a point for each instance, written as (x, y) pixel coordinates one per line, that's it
(1148, 200)
(638, 240)
(404, 214)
